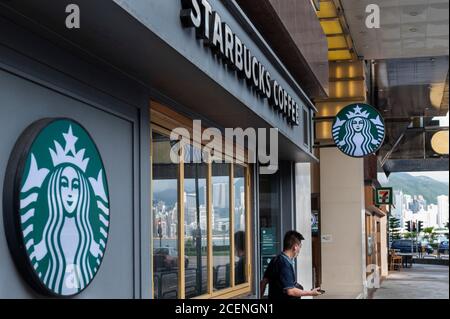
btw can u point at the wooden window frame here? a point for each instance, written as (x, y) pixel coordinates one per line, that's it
(163, 121)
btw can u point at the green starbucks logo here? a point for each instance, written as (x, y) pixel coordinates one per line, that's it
(60, 207)
(358, 130)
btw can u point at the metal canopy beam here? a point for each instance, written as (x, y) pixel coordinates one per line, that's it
(416, 165)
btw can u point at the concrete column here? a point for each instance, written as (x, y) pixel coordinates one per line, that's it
(343, 224)
(303, 223)
(384, 252)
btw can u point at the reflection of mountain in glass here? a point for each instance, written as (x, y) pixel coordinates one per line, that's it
(168, 196)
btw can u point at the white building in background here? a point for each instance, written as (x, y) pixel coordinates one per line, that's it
(433, 212)
(399, 204)
(442, 210)
(428, 217)
(407, 200)
(220, 195)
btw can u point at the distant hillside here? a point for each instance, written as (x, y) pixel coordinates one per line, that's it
(418, 185)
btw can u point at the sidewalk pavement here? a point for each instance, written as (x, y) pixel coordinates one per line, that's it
(418, 282)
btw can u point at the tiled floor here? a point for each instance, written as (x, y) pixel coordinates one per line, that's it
(418, 282)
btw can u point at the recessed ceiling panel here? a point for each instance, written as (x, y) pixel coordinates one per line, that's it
(421, 27)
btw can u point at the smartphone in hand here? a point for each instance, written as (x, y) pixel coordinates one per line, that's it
(320, 291)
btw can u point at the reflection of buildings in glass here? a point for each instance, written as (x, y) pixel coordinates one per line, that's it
(242, 196)
(222, 224)
(172, 219)
(190, 209)
(191, 212)
(191, 227)
(173, 229)
(220, 195)
(239, 210)
(166, 218)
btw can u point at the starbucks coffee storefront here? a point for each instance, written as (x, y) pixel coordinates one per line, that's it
(94, 204)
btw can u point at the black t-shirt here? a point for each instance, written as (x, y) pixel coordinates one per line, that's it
(281, 276)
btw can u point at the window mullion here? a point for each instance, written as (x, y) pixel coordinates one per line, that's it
(151, 214)
(209, 228)
(181, 252)
(232, 243)
(247, 225)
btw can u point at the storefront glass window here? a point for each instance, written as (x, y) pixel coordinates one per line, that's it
(270, 218)
(240, 214)
(165, 219)
(221, 225)
(195, 210)
(200, 218)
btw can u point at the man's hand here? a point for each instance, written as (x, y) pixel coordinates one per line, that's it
(296, 292)
(316, 292)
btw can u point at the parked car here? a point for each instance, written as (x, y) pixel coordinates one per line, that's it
(429, 249)
(404, 245)
(443, 247)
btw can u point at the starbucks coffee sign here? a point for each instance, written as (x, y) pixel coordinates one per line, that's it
(217, 35)
(56, 207)
(359, 130)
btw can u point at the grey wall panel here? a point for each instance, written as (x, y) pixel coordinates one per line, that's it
(163, 18)
(23, 102)
(287, 197)
(150, 46)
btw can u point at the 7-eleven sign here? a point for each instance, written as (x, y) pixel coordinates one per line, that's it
(383, 196)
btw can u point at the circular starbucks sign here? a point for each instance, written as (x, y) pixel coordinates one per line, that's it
(56, 207)
(358, 130)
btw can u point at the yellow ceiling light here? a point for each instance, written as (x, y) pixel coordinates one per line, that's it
(337, 42)
(339, 55)
(323, 130)
(327, 10)
(331, 27)
(439, 142)
(330, 20)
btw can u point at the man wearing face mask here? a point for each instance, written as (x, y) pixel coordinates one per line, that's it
(280, 274)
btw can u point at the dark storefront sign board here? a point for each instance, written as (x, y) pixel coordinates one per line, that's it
(220, 38)
(315, 222)
(268, 241)
(268, 249)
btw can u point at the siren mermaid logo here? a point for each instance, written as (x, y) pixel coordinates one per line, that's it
(64, 208)
(358, 130)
